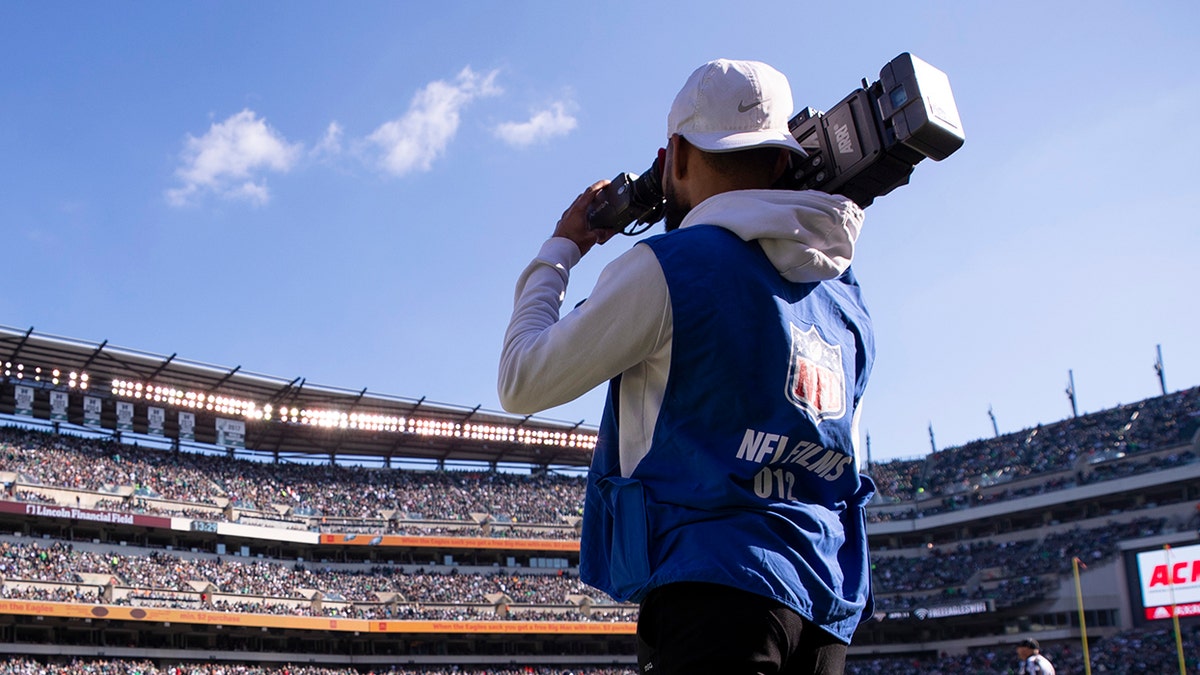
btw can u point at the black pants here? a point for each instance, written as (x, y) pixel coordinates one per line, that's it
(708, 629)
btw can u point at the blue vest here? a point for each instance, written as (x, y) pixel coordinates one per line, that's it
(750, 480)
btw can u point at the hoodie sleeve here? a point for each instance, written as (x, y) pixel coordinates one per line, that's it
(546, 361)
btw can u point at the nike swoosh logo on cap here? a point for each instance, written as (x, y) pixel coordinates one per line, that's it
(742, 107)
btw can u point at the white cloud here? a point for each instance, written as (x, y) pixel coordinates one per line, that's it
(331, 143)
(255, 193)
(543, 125)
(413, 141)
(233, 159)
(230, 160)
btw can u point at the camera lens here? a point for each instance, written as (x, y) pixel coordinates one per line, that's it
(629, 198)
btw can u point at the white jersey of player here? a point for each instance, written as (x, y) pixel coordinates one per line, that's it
(1036, 665)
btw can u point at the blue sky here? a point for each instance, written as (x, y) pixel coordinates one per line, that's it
(346, 192)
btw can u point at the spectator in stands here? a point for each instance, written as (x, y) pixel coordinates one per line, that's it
(737, 339)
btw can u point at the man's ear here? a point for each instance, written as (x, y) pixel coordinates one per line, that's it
(678, 148)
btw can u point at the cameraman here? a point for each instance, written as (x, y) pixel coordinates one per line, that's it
(723, 494)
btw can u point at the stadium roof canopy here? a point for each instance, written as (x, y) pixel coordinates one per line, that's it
(137, 392)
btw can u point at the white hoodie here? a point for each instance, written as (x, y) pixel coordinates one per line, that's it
(625, 326)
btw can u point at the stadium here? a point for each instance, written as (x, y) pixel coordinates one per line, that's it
(162, 515)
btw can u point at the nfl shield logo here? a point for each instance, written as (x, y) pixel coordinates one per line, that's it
(816, 384)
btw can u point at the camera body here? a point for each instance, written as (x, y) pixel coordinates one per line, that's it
(868, 144)
(864, 147)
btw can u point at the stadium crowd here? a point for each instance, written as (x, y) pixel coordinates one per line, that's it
(1124, 441)
(1133, 652)
(79, 666)
(39, 458)
(1014, 565)
(162, 579)
(1089, 448)
(212, 487)
(1004, 572)
(1086, 449)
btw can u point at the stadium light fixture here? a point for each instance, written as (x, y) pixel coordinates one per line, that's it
(337, 419)
(44, 375)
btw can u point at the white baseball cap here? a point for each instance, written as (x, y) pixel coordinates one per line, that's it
(734, 105)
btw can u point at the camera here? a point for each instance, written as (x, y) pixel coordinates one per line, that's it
(868, 144)
(864, 147)
(630, 203)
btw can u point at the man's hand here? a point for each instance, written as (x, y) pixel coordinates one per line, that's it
(573, 224)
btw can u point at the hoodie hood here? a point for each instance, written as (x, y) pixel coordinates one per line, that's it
(808, 235)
